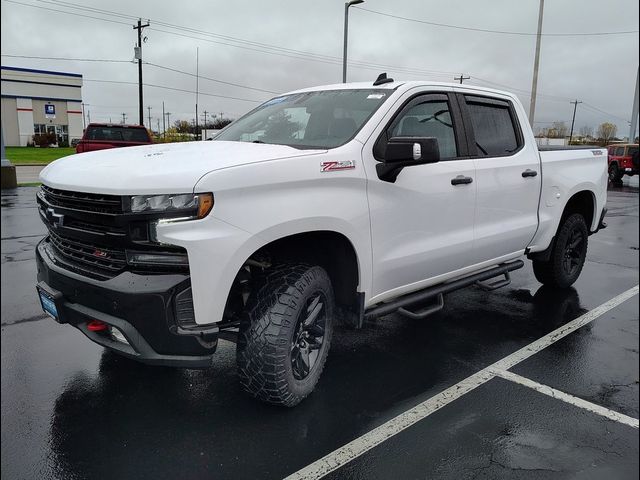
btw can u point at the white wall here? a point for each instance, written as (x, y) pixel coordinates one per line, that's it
(24, 107)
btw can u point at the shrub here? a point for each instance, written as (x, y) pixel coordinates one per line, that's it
(45, 139)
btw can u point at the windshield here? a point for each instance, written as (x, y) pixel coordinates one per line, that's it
(324, 119)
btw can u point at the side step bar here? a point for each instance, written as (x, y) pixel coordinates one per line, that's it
(431, 292)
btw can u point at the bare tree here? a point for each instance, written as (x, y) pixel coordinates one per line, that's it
(607, 132)
(586, 131)
(560, 129)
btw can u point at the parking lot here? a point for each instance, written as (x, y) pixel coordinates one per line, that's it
(454, 396)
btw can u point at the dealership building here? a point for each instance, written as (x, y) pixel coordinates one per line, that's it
(38, 102)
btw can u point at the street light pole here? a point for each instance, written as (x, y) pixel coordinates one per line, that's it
(536, 64)
(634, 112)
(346, 30)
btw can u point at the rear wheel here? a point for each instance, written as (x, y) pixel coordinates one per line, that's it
(615, 174)
(567, 256)
(285, 334)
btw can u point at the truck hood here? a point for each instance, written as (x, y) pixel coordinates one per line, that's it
(160, 168)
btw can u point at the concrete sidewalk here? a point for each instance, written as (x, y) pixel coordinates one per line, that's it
(28, 173)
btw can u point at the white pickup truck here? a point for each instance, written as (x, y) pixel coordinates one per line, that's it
(343, 202)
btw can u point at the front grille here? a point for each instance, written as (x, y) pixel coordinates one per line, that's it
(89, 202)
(90, 234)
(96, 259)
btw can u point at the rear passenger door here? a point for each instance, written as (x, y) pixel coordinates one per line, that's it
(508, 177)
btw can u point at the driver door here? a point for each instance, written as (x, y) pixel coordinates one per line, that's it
(422, 224)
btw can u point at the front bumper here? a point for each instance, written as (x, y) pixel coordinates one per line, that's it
(142, 307)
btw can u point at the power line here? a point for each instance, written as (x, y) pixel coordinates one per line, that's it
(589, 106)
(165, 87)
(145, 63)
(245, 44)
(475, 78)
(210, 79)
(503, 32)
(105, 60)
(62, 11)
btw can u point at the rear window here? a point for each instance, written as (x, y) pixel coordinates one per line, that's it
(117, 134)
(632, 151)
(493, 126)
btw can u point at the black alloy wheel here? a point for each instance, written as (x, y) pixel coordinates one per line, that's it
(574, 252)
(308, 336)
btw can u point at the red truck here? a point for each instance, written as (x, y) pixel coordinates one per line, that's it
(99, 136)
(623, 160)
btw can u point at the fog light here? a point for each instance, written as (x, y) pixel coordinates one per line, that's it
(118, 336)
(158, 259)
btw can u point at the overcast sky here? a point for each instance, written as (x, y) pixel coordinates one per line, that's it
(284, 45)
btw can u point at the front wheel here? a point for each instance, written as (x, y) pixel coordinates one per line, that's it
(285, 334)
(568, 255)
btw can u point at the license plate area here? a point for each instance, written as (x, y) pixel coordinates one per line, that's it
(49, 300)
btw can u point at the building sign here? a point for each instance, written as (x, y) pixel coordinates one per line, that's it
(50, 110)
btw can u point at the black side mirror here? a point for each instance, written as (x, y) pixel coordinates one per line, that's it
(403, 152)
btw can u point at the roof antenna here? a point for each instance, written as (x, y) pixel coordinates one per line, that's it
(382, 79)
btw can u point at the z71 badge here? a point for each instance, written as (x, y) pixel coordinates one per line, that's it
(334, 166)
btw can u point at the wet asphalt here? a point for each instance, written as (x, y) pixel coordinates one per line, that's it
(71, 410)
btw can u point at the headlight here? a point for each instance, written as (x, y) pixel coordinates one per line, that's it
(193, 206)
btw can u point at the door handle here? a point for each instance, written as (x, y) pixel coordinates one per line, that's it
(461, 180)
(529, 173)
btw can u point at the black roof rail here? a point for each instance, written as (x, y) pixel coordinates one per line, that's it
(382, 79)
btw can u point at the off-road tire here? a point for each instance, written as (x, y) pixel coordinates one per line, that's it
(267, 328)
(615, 174)
(553, 271)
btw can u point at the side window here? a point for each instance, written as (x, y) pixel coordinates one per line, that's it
(428, 119)
(493, 127)
(619, 152)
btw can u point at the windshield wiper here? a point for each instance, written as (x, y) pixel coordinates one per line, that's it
(257, 141)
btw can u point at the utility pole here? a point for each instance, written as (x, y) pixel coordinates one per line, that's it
(124, 118)
(164, 127)
(158, 125)
(197, 84)
(573, 120)
(536, 64)
(168, 114)
(149, 109)
(84, 120)
(634, 112)
(89, 115)
(138, 55)
(461, 78)
(205, 122)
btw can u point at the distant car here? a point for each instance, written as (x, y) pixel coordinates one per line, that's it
(623, 160)
(99, 136)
